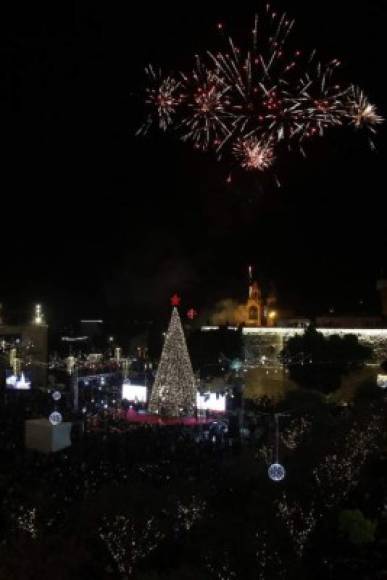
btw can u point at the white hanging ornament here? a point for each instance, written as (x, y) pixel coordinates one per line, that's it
(56, 395)
(276, 471)
(55, 418)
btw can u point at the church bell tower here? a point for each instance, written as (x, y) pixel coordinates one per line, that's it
(254, 303)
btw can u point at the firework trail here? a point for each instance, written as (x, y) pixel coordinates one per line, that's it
(243, 104)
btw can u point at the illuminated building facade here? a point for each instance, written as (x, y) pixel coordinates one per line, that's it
(258, 310)
(266, 330)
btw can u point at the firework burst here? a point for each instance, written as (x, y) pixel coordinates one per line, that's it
(243, 104)
(162, 98)
(362, 113)
(205, 103)
(254, 154)
(317, 104)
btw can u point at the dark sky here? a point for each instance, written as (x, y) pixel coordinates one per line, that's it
(97, 222)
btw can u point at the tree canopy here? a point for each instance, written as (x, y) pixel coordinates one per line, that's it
(319, 362)
(356, 527)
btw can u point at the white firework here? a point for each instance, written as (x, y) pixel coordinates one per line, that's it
(363, 113)
(254, 154)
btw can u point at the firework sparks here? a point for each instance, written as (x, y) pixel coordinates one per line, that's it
(162, 97)
(254, 154)
(204, 121)
(243, 104)
(362, 112)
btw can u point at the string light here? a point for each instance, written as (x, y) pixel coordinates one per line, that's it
(128, 542)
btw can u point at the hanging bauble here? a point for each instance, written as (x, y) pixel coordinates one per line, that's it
(276, 472)
(55, 418)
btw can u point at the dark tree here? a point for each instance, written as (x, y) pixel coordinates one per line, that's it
(356, 527)
(318, 362)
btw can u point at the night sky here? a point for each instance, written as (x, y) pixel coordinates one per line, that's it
(98, 222)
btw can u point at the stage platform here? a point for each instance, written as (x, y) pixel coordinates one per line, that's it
(132, 416)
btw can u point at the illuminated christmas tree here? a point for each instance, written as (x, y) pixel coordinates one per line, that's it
(174, 389)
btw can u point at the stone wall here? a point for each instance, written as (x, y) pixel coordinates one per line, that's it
(268, 342)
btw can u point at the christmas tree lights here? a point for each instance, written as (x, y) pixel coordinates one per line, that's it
(174, 389)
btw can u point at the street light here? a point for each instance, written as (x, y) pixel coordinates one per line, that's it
(38, 317)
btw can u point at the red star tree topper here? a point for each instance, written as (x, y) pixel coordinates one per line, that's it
(175, 300)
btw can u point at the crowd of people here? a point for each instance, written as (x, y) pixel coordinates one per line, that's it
(152, 484)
